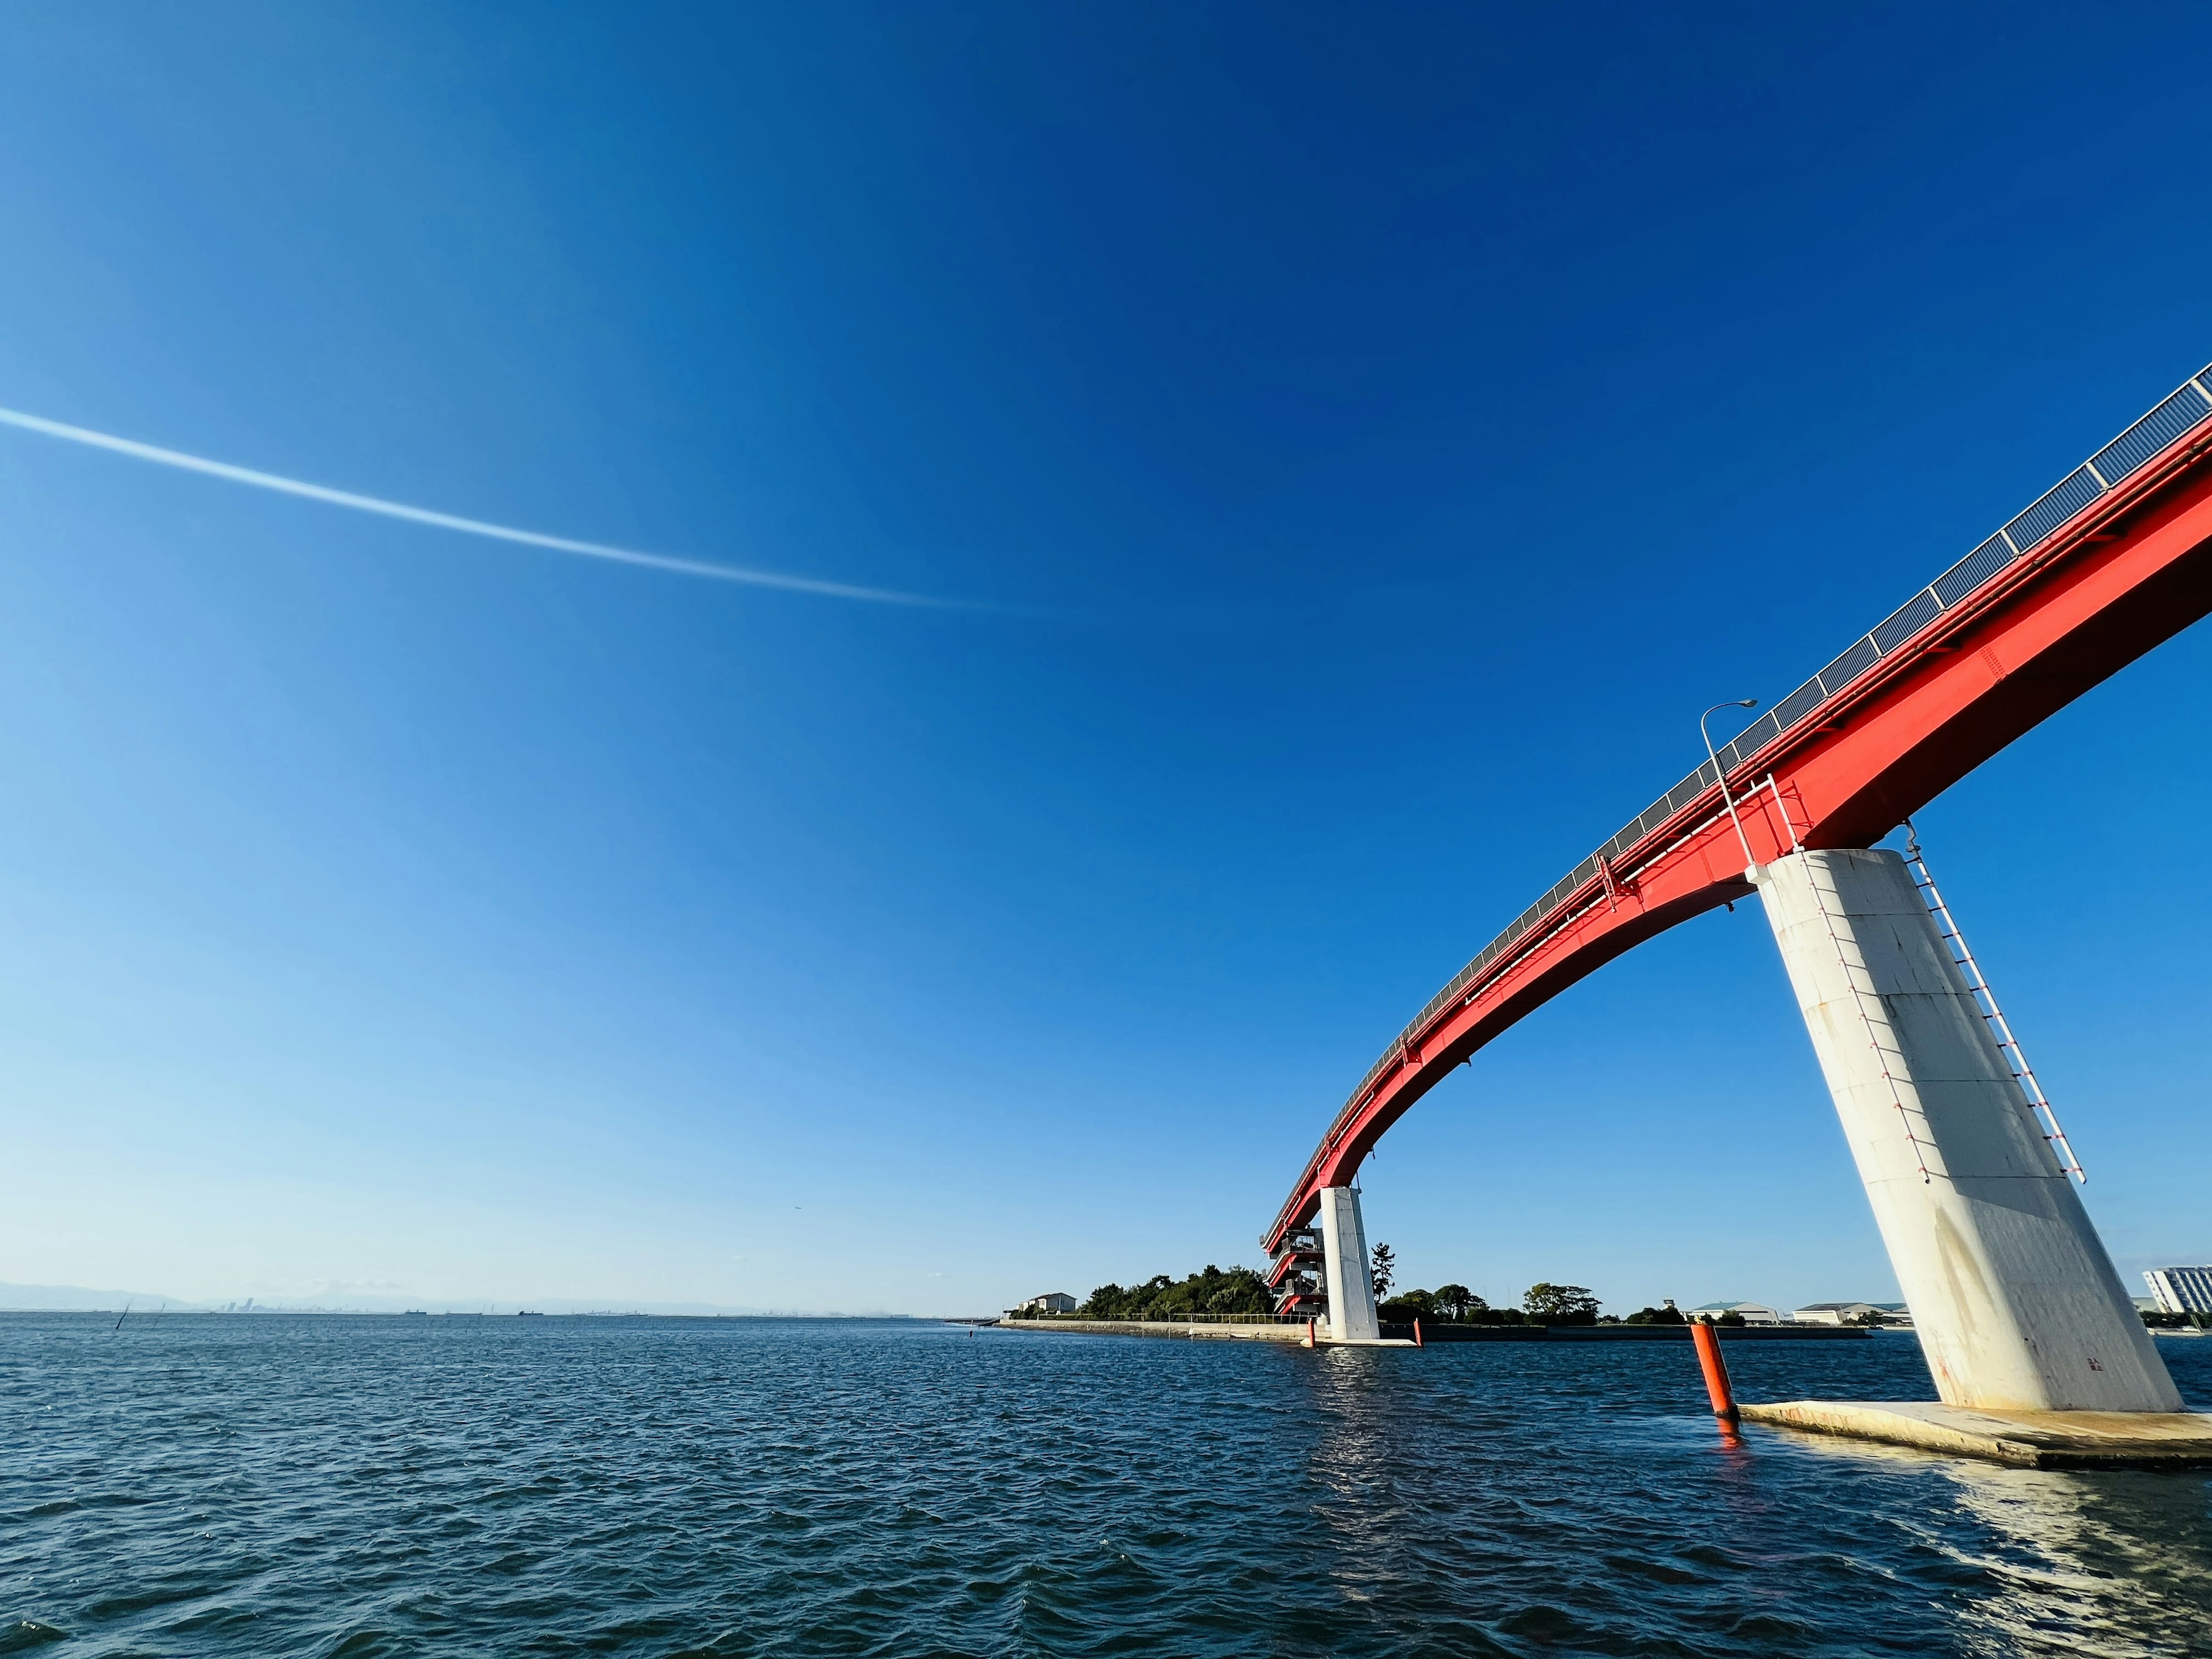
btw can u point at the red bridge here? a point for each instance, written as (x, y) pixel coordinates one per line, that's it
(2113, 560)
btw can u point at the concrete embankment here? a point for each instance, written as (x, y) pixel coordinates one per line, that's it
(1158, 1327)
(1443, 1334)
(1628, 1333)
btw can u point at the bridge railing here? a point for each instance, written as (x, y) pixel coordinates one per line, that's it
(2176, 415)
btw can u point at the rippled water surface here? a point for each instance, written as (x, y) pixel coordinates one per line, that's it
(294, 1484)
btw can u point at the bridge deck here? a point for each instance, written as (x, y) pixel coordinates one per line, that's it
(2112, 561)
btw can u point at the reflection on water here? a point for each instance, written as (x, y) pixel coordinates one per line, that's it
(2120, 1562)
(2113, 1563)
(665, 1488)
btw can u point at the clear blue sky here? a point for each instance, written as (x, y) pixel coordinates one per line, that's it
(1380, 435)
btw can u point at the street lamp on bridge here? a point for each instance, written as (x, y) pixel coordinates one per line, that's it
(1727, 799)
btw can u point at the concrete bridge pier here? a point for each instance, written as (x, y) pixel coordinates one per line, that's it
(2016, 1303)
(1344, 1260)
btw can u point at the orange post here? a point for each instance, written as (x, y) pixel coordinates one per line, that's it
(1417, 1332)
(1310, 1343)
(1715, 1369)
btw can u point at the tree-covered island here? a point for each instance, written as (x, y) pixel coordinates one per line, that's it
(1234, 1293)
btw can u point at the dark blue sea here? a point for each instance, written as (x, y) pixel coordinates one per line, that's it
(354, 1485)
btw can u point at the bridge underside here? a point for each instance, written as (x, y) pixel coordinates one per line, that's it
(2119, 574)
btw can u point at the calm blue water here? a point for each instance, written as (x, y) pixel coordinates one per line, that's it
(553, 1486)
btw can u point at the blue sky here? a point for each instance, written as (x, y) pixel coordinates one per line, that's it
(1368, 444)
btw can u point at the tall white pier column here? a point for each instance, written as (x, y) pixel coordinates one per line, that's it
(2016, 1303)
(1344, 1248)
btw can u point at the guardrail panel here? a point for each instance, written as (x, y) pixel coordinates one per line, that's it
(2053, 508)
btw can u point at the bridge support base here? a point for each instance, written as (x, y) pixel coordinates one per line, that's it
(2017, 1305)
(1344, 1247)
(2035, 1440)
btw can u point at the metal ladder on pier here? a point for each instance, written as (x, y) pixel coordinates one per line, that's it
(2040, 1108)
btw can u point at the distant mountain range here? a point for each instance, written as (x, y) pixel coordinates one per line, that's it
(77, 1298)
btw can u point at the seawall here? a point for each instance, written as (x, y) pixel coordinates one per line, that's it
(1444, 1334)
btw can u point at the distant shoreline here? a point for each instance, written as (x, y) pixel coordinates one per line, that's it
(1441, 1335)
(151, 1311)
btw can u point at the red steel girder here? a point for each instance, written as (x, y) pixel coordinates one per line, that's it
(2130, 570)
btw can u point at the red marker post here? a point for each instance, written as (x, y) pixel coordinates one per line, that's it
(1715, 1369)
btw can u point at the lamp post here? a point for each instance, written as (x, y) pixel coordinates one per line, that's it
(1727, 799)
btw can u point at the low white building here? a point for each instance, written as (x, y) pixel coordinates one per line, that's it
(1052, 1302)
(1752, 1313)
(1895, 1315)
(1832, 1313)
(2181, 1290)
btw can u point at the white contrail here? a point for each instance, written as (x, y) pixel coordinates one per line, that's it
(721, 573)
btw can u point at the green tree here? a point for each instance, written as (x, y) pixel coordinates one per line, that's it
(1560, 1304)
(1409, 1304)
(1458, 1301)
(1214, 1291)
(1386, 1266)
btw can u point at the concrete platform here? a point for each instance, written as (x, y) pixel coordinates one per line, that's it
(2035, 1440)
(1369, 1342)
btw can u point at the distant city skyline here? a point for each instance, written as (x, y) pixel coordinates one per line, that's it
(79, 1298)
